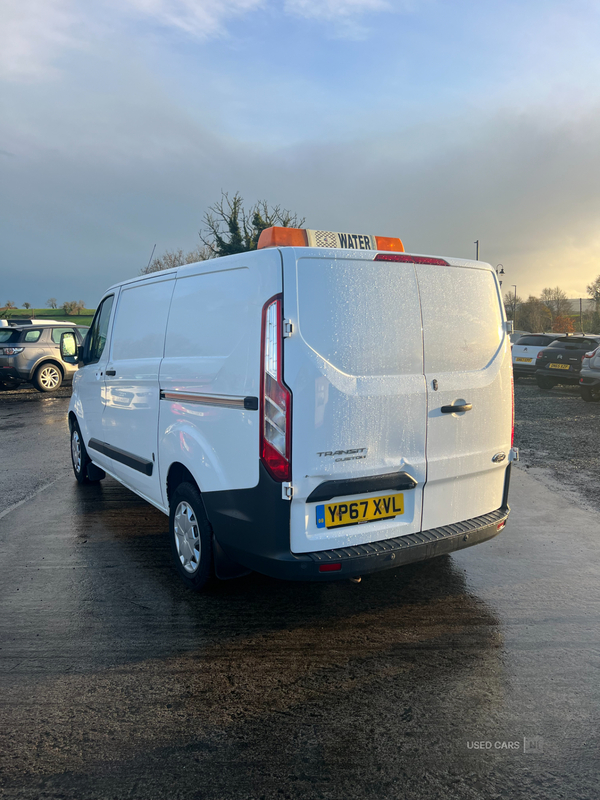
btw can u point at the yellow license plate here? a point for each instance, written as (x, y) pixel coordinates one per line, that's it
(559, 366)
(353, 512)
(528, 360)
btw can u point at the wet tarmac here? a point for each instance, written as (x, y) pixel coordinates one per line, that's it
(428, 681)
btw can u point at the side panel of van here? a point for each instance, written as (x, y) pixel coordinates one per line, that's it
(467, 357)
(130, 418)
(210, 375)
(354, 364)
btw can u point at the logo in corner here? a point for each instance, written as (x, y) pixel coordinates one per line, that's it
(498, 458)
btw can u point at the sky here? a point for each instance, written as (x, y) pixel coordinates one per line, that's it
(439, 121)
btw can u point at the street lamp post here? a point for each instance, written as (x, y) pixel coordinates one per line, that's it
(476, 250)
(515, 306)
(499, 271)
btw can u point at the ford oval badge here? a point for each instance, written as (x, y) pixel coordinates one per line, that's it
(498, 458)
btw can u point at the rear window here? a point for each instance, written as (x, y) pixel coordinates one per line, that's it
(570, 343)
(540, 341)
(9, 335)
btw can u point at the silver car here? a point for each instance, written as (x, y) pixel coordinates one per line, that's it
(32, 353)
(589, 377)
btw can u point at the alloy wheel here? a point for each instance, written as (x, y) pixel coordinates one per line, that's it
(49, 377)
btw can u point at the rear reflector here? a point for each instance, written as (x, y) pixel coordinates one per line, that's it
(329, 567)
(501, 525)
(411, 259)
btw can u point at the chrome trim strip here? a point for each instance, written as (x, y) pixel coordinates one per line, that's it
(204, 399)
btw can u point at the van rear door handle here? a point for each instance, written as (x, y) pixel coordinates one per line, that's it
(114, 372)
(450, 409)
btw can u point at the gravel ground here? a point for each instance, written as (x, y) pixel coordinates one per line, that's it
(26, 392)
(558, 436)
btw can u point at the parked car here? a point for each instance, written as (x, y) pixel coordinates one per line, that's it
(561, 361)
(321, 408)
(525, 351)
(514, 336)
(589, 379)
(32, 353)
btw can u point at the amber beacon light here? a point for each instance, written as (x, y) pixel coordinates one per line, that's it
(299, 237)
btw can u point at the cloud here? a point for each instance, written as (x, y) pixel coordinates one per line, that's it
(198, 18)
(35, 33)
(346, 17)
(32, 32)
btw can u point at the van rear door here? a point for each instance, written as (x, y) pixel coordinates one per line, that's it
(467, 363)
(354, 364)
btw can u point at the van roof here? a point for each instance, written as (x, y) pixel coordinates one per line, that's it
(224, 262)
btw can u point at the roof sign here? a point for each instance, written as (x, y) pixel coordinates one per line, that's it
(298, 237)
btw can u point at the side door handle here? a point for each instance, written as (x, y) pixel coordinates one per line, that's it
(112, 372)
(451, 409)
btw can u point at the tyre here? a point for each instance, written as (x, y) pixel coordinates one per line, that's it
(545, 383)
(190, 535)
(79, 456)
(591, 394)
(8, 384)
(47, 378)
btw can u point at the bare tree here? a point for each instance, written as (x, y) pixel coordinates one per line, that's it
(593, 291)
(534, 315)
(176, 258)
(230, 228)
(511, 302)
(9, 305)
(52, 303)
(556, 300)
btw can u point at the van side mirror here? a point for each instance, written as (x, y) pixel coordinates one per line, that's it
(69, 350)
(510, 326)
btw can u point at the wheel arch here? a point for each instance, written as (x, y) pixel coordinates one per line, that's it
(177, 474)
(42, 362)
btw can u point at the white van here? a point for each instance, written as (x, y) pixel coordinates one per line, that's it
(324, 407)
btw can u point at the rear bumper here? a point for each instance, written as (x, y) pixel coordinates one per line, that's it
(586, 379)
(9, 373)
(365, 558)
(559, 375)
(261, 543)
(524, 369)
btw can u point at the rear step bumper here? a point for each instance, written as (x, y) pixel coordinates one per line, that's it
(261, 543)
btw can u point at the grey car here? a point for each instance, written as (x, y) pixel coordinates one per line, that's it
(32, 353)
(589, 377)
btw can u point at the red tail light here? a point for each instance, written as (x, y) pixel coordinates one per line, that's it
(275, 397)
(539, 355)
(587, 355)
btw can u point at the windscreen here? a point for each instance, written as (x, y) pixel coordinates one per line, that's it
(539, 341)
(573, 344)
(363, 317)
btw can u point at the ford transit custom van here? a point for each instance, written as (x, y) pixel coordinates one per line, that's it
(321, 408)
